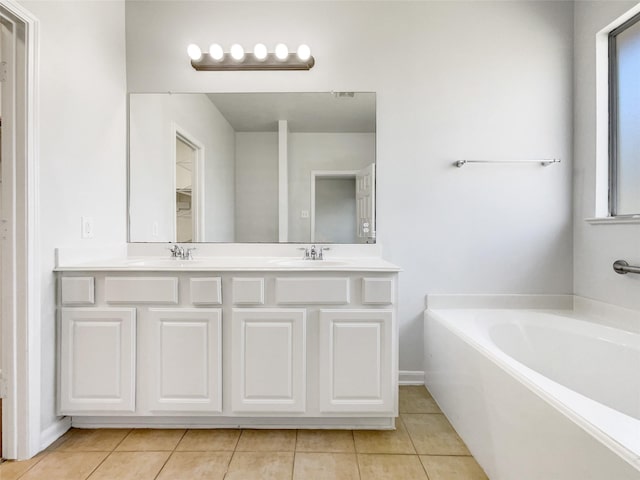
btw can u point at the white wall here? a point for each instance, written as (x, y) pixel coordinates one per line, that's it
(152, 166)
(321, 151)
(256, 187)
(597, 246)
(453, 80)
(82, 152)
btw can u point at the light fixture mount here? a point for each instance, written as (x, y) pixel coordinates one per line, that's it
(251, 62)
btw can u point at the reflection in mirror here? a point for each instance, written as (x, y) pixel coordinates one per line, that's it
(252, 167)
(185, 156)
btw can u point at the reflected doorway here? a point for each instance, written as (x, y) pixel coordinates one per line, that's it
(335, 210)
(343, 206)
(189, 194)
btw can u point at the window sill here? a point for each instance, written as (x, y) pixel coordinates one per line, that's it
(632, 219)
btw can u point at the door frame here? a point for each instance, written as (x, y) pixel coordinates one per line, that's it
(315, 174)
(197, 186)
(21, 276)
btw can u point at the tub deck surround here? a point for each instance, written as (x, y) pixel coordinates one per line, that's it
(251, 337)
(559, 396)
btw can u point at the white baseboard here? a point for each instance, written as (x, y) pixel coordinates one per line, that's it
(411, 377)
(53, 432)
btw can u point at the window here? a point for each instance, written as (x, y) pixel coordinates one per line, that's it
(624, 119)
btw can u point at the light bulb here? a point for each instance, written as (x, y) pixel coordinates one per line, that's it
(260, 51)
(237, 52)
(304, 52)
(282, 52)
(194, 52)
(216, 52)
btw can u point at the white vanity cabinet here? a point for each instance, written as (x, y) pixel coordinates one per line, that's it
(268, 360)
(97, 360)
(356, 359)
(227, 348)
(180, 360)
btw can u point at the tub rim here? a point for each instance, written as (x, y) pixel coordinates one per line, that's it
(627, 448)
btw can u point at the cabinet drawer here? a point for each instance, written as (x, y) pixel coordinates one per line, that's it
(77, 290)
(377, 291)
(326, 291)
(206, 291)
(248, 291)
(158, 290)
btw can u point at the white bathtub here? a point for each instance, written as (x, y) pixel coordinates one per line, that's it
(538, 395)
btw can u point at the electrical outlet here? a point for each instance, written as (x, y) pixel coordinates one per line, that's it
(304, 214)
(87, 227)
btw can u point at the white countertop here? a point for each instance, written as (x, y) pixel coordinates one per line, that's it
(229, 264)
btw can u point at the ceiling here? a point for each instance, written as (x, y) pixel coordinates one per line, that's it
(326, 112)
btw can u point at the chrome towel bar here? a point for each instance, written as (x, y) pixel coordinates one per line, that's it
(544, 162)
(622, 267)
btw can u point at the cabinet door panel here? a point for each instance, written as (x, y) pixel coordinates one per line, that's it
(269, 354)
(97, 360)
(356, 361)
(185, 352)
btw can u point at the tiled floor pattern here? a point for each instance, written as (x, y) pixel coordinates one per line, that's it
(423, 447)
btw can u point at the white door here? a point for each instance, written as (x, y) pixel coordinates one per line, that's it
(366, 203)
(268, 360)
(357, 361)
(183, 367)
(97, 360)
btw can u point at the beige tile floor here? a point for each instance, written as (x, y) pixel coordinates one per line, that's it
(424, 446)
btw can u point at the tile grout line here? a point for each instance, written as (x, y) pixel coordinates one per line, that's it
(355, 450)
(99, 464)
(122, 440)
(171, 453)
(295, 450)
(28, 469)
(164, 464)
(414, 447)
(109, 453)
(233, 453)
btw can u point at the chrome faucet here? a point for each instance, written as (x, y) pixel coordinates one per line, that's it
(182, 253)
(176, 251)
(313, 252)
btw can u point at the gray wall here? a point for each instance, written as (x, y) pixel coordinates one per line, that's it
(453, 80)
(82, 153)
(256, 187)
(336, 210)
(597, 246)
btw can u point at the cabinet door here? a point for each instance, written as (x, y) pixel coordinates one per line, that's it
(357, 361)
(97, 360)
(184, 364)
(268, 365)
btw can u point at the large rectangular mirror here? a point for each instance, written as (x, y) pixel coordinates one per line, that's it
(252, 167)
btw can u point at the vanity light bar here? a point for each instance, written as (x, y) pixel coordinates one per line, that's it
(260, 59)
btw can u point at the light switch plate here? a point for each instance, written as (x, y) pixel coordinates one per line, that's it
(87, 227)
